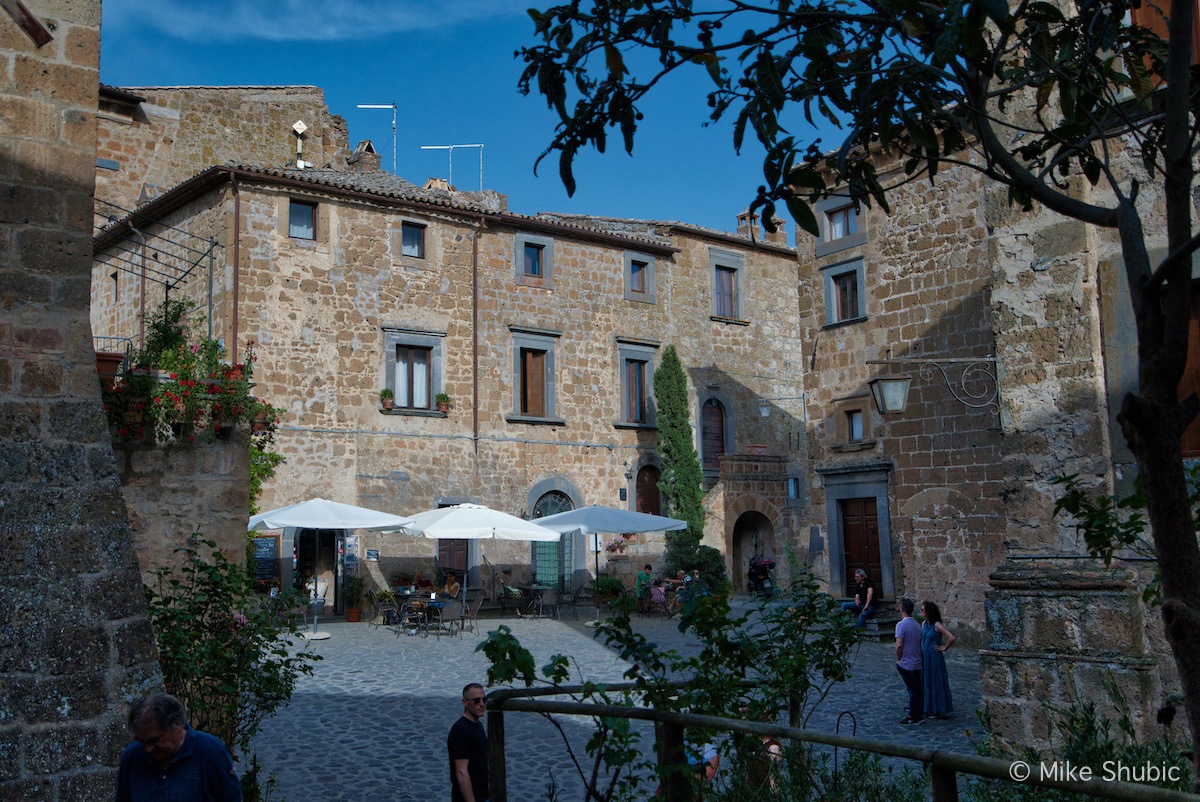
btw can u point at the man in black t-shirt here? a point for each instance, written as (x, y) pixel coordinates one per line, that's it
(866, 600)
(468, 748)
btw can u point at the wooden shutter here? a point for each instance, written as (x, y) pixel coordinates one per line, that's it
(533, 382)
(712, 433)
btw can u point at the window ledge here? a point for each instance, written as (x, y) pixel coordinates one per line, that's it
(861, 445)
(850, 321)
(649, 427)
(730, 320)
(534, 420)
(415, 413)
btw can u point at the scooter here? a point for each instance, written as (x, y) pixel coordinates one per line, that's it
(758, 578)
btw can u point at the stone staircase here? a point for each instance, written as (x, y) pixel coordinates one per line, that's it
(881, 627)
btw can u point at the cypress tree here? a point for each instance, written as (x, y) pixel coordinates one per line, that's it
(680, 483)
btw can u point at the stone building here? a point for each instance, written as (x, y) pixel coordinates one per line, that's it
(75, 641)
(1015, 331)
(544, 332)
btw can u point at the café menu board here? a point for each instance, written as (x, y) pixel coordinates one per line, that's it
(266, 557)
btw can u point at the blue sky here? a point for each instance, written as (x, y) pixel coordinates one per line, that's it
(450, 67)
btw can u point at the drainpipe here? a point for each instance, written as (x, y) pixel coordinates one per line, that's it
(142, 324)
(475, 335)
(237, 241)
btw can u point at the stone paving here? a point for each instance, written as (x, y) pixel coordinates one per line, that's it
(371, 722)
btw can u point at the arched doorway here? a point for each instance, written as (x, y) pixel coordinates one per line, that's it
(753, 536)
(551, 563)
(647, 497)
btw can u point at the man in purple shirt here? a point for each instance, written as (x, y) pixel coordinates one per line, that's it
(908, 661)
(171, 761)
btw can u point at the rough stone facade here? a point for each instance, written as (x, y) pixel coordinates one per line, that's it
(327, 314)
(75, 642)
(175, 491)
(151, 138)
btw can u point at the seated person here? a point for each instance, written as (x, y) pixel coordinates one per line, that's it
(866, 602)
(641, 584)
(658, 594)
(421, 582)
(451, 588)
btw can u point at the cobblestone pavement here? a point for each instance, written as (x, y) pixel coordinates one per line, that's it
(371, 722)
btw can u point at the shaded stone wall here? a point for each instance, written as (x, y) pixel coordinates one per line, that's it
(173, 491)
(1060, 629)
(928, 295)
(75, 642)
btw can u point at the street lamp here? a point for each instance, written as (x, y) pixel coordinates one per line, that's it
(890, 392)
(973, 381)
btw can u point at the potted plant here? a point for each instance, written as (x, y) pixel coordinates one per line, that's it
(443, 402)
(387, 398)
(606, 588)
(353, 588)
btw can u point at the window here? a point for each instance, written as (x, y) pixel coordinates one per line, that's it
(413, 369)
(302, 220)
(414, 380)
(636, 359)
(839, 225)
(712, 434)
(412, 236)
(533, 375)
(533, 382)
(795, 488)
(726, 284)
(639, 277)
(534, 261)
(854, 426)
(844, 299)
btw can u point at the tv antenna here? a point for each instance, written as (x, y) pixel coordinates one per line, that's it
(451, 148)
(391, 106)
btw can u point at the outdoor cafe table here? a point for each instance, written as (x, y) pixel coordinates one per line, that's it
(424, 597)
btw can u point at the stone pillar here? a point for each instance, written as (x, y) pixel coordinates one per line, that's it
(75, 642)
(1057, 626)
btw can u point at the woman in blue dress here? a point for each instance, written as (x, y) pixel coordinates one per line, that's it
(938, 702)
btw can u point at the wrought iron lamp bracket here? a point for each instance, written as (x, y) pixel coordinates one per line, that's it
(972, 381)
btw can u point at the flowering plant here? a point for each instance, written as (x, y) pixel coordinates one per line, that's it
(616, 545)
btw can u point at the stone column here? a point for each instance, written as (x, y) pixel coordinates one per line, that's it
(75, 642)
(1057, 625)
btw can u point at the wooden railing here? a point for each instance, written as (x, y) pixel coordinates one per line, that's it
(944, 766)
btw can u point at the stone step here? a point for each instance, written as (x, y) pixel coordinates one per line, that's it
(881, 627)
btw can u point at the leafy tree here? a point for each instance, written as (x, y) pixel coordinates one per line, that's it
(1052, 101)
(681, 475)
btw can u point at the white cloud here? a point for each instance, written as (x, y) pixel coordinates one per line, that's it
(298, 20)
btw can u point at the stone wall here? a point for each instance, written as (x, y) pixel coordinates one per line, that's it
(173, 491)
(180, 131)
(75, 642)
(1060, 630)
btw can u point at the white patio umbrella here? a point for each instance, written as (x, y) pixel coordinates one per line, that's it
(319, 513)
(475, 522)
(597, 520)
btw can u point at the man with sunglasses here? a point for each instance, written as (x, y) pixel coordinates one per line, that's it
(468, 747)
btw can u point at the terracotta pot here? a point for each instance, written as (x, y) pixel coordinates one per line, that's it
(353, 615)
(443, 406)
(108, 366)
(389, 403)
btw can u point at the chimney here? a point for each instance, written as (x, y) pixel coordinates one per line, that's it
(780, 236)
(364, 159)
(747, 226)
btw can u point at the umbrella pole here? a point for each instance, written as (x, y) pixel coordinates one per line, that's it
(596, 551)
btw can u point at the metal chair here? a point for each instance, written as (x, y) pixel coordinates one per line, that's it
(471, 613)
(573, 599)
(547, 603)
(413, 619)
(447, 618)
(654, 603)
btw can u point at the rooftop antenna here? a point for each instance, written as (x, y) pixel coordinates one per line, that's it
(451, 149)
(391, 106)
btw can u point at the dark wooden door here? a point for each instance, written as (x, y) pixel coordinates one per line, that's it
(649, 499)
(712, 433)
(860, 534)
(452, 556)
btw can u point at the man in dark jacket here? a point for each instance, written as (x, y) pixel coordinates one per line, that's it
(468, 748)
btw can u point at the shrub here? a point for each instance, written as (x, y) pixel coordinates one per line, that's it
(223, 653)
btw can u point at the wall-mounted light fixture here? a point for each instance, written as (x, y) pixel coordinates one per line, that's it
(764, 404)
(972, 381)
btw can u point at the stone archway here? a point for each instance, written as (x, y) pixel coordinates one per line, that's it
(753, 535)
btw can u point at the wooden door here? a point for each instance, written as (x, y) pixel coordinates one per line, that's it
(452, 555)
(712, 433)
(648, 498)
(860, 535)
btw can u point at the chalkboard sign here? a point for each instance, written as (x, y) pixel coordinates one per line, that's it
(266, 559)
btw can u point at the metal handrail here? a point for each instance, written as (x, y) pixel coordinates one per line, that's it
(944, 765)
